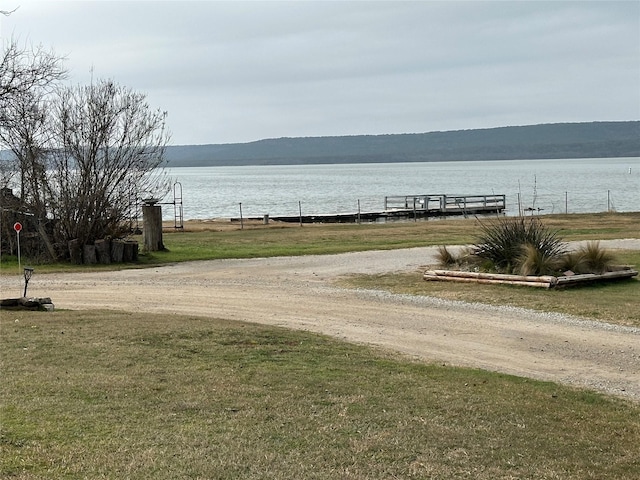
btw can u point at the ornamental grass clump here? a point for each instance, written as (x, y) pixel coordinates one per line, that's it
(464, 259)
(534, 261)
(589, 258)
(445, 257)
(520, 246)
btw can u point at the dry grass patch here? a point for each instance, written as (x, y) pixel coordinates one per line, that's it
(119, 395)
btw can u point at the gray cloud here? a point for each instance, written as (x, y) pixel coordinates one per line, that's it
(242, 71)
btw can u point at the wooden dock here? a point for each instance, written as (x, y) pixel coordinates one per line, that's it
(445, 205)
(413, 207)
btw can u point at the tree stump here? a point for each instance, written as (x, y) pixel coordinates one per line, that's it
(89, 254)
(103, 251)
(117, 251)
(152, 228)
(75, 251)
(130, 251)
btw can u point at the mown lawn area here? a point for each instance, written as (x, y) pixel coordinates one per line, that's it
(122, 395)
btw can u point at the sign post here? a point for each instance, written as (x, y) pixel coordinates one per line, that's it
(18, 227)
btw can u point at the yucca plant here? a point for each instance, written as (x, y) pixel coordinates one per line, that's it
(502, 242)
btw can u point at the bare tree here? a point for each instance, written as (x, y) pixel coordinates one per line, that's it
(27, 77)
(82, 155)
(111, 145)
(29, 139)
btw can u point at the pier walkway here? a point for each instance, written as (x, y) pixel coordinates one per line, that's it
(413, 207)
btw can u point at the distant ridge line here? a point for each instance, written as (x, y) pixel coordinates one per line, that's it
(543, 141)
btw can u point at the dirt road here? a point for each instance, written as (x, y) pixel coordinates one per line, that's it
(298, 292)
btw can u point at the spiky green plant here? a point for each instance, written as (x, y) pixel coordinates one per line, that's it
(502, 242)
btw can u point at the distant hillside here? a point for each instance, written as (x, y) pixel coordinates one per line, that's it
(560, 140)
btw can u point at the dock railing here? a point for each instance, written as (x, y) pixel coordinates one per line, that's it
(445, 203)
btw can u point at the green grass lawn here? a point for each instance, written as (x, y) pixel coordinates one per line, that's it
(121, 395)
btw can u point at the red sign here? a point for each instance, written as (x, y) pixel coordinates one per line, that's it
(17, 227)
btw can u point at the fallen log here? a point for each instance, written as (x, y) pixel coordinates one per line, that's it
(494, 276)
(593, 277)
(488, 279)
(544, 281)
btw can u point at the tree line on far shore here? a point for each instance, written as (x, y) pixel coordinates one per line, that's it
(559, 140)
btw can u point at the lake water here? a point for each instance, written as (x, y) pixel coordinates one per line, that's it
(554, 186)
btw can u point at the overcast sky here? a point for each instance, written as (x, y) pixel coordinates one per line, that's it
(241, 71)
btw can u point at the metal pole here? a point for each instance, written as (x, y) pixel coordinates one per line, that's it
(241, 220)
(566, 202)
(358, 210)
(300, 211)
(18, 238)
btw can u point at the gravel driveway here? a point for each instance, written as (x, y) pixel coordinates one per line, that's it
(298, 292)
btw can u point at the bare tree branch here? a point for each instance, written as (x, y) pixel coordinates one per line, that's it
(7, 13)
(23, 71)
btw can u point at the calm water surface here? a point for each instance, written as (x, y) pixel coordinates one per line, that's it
(554, 186)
